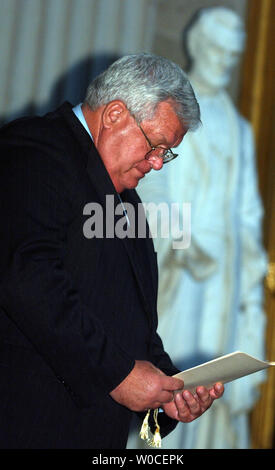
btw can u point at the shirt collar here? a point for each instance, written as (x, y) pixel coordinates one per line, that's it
(79, 114)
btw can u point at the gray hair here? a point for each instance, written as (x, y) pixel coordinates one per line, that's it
(142, 81)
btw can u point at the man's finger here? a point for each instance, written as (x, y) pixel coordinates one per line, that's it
(217, 390)
(204, 397)
(172, 383)
(183, 408)
(192, 402)
(166, 397)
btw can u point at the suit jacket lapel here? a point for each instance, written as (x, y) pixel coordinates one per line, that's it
(142, 255)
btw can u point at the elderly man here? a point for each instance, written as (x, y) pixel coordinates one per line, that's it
(79, 348)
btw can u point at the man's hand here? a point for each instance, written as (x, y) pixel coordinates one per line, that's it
(146, 387)
(187, 406)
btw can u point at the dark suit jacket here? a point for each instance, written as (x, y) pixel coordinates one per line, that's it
(75, 313)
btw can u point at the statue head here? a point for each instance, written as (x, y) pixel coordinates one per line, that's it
(214, 41)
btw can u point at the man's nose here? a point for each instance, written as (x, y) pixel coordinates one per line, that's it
(156, 162)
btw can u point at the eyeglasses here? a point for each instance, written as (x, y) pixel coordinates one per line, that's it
(166, 154)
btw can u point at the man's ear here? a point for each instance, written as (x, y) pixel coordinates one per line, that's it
(114, 113)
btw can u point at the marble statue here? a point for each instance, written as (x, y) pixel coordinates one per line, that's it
(211, 293)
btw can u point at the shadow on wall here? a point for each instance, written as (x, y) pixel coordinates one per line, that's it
(71, 86)
(184, 35)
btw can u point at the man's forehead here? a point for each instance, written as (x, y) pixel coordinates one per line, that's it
(165, 114)
(165, 126)
(169, 132)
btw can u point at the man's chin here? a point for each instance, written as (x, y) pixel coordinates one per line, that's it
(134, 183)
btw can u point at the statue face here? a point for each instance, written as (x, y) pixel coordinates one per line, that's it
(213, 63)
(215, 44)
